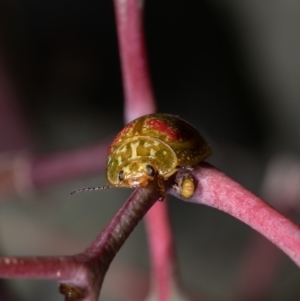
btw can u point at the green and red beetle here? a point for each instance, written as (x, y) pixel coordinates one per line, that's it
(153, 147)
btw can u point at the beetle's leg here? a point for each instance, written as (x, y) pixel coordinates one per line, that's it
(162, 189)
(185, 186)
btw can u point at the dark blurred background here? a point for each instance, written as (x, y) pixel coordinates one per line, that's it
(230, 68)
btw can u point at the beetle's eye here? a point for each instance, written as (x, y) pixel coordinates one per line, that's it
(121, 175)
(150, 170)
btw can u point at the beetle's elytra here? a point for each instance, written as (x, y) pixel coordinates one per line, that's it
(153, 146)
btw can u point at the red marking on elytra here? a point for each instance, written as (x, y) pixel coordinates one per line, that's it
(172, 133)
(123, 133)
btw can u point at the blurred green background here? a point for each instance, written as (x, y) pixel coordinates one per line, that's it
(230, 68)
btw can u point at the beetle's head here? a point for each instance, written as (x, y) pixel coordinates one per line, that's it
(136, 174)
(133, 174)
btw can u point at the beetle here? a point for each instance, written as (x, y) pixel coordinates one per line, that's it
(153, 147)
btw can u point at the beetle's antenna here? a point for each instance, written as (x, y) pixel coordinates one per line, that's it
(90, 189)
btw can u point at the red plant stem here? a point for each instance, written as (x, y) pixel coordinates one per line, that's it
(19, 173)
(63, 267)
(121, 225)
(137, 87)
(139, 101)
(161, 249)
(217, 190)
(44, 171)
(86, 270)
